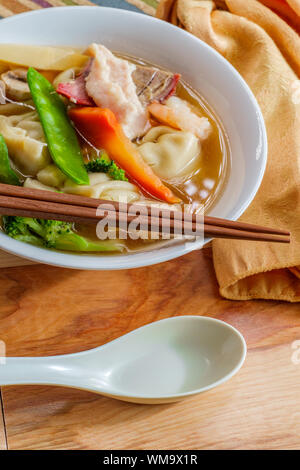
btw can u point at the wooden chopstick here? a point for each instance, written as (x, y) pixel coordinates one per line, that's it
(15, 200)
(63, 198)
(209, 230)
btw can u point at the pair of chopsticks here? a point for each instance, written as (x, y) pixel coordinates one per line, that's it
(26, 202)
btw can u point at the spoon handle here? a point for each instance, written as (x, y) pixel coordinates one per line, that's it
(32, 370)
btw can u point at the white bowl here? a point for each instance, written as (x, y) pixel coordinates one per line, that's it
(200, 65)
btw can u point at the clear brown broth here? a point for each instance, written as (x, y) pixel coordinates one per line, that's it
(204, 186)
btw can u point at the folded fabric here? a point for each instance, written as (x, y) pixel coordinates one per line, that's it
(262, 43)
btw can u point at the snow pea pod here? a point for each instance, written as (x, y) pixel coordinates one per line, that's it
(7, 174)
(59, 132)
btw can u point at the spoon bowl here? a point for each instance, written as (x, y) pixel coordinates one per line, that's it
(162, 362)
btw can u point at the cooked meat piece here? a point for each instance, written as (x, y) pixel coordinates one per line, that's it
(75, 90)
(110, 85)
(153, 84)
(121, 86)
(177, 113)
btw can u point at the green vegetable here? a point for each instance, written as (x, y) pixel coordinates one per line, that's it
(53, 234)
(7, 174)
(59, 132)
(104, 165)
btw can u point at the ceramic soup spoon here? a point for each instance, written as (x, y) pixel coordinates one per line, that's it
(162, 362)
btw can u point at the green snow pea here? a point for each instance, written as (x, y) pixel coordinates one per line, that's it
(59, 132)
(7, 174)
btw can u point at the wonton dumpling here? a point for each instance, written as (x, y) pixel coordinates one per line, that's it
(13, 109)
(31, 123)
(51, 176)
(25, 140)
(121, 191)
(171, 153)
(35, 184)
(85, 189)
(103, 187)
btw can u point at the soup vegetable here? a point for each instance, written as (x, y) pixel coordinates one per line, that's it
(107, 126)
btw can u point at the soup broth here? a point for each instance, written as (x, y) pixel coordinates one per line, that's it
(199, 187)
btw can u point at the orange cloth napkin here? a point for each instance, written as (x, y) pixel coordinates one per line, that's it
(263, 45)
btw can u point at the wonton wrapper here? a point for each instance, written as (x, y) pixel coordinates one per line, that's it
(14, 108)
(35, 184)
(52, 176)
(25, 141)
(103, 187)
(170, 153)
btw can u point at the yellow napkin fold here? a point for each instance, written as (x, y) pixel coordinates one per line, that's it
(266, 52)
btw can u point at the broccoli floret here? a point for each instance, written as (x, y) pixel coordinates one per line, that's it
(53, 234)
(54, 230)
(18, 228)
(116, 173)
(104, 165)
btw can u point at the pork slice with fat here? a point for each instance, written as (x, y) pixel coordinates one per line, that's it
(110, 85)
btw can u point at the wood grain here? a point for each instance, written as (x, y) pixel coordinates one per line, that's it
(2, 429)
(7, 260)
(48, 310)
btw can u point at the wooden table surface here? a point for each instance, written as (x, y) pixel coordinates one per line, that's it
(2, 429)
(47, 310)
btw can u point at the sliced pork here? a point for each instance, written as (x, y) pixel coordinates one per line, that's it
(110, 85)
(125, 88)
(153, 84)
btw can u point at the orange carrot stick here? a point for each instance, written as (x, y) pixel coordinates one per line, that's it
(100, 127)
